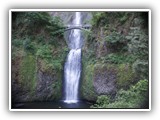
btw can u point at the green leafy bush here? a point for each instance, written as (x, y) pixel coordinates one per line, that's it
(116, 41)
(138, 47)
(44, 52)
(135, 97)
(103, 100)
(29, 46)
(140, 67)
(17, 43)
(118, 58)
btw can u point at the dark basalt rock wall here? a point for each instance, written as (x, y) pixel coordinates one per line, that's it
(105, 81)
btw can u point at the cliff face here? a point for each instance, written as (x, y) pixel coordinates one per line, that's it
(37, 57)
(30, 82)
(67, 17)
(110, 54)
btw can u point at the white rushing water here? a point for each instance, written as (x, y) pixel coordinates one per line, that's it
(72, 69)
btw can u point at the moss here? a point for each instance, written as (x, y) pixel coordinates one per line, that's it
(102, 67)
(125, 76)
(28, 72)
(124, 73)
(87, 87)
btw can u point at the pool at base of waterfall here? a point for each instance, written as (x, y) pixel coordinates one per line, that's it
(52, 105)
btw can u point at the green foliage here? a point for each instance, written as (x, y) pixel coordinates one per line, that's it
(138, 46)
(97, 17)
(135, 97)
(102, 101)
(89, 36)
(125, 76)
(124, 17)
(56, 27)
(103, 18)
(17, 43)
(116, 41)
(36, 24)
(141, 68)
(44, 52)
(37, 18)
(115, 37)
(50, 62)
(89, 48)
(29, 46)
(118, 58)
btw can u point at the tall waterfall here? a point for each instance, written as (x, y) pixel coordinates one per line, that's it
(72, 69)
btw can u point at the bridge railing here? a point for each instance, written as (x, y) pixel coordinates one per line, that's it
(77, 26)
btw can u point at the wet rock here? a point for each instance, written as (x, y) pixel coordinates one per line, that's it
(105, 81)
(44, 89)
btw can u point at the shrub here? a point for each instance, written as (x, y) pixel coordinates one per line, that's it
(138, 46)
(135, 97)
(118, 58)
(29, 46)
(44, 52)
(17, 42)
(116, 41)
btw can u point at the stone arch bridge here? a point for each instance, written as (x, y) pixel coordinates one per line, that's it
(69, 27)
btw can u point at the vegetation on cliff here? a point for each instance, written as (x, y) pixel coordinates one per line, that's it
(135, 97)
(117, 49)
(38, 54)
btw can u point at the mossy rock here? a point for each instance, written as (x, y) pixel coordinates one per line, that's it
(125, 76)
(28, 72)
(105, 79)
(105, 76)
(87, 88)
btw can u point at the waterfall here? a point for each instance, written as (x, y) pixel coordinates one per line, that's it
(72, 68)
